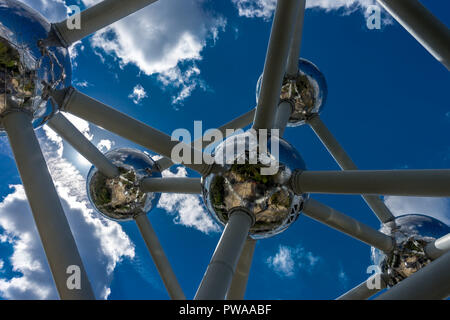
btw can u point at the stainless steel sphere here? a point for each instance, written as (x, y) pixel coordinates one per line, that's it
(25, 66)
(121, 198)
(307, 90)
(411, 233)
(237, 181)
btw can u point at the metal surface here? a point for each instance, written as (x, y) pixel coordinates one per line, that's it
(97, 17)
(275, 64)
(420, 183)
(240, 278)
(121, 197)
(240, 180)
(172, 185)
(423, 26)
(25, 67)
(104, 116)
(64, 128)
(345, 162)
(429, 283)
(283, 115)
(362, 291)
(159, 258)
(438, 247)
(220, 271)
(54, 230)
(294, 52)
(333, 218)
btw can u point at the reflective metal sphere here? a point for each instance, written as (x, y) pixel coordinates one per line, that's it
(308, 91)
(25, 66)
(121, 198)
(238, 182)
(411, 233)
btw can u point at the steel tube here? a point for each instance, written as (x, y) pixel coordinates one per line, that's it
(429, 283)
(240, 278)
(275, 64)
(106, 117)
(420, 183)
(294, 53)
(362, 291)
(438, 247)
(96, 18)
(238, 123)
(51, 222)
(172, 185)
(63, 127)
(283, 114)
(431, 33)
(159, 258)
(345, 162)
(339, 221)
(219, 274)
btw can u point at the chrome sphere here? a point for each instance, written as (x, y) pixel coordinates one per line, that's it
(121, 198)
(238, 180)
(411, 233)
(307, 90)
(26, 68)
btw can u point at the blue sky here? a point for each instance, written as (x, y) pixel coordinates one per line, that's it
(196, 60)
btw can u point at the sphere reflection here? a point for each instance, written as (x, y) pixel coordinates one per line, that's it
(411, 233)
(25, 67)
(307, 90)
(245, 180)
(121, 198)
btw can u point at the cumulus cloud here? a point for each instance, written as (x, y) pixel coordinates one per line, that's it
(102, 243)
(165, 39)
(138, 94)
(287, 261)
(53, 10)
(105, 145)
(188, 209)
(438, 208)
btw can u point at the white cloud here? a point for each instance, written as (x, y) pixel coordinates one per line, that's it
(105, 145)
(53, 10)
(187, 208)
(138, 94)
(165, 38)
(438, 208)
(288, 261)
(102, 243)
(265, 8)
(80, 124)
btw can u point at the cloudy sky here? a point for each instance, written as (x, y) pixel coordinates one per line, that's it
(177, 62)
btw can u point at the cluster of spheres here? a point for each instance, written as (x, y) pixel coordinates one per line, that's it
(256, 180)
(307, 90)
(121, 198)
(412, 233)
(26, 68)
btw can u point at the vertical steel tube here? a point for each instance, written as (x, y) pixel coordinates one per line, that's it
(429, 283)
(362, 291)
(51, 222)
(97, 17)
(333, 218)
(438, 247)
(63, 127)
(218, 276)
(240, 278)
(423, 26)
(159, 258)
(345, 162)
(276, 61)
(294, 53)
(283, 114)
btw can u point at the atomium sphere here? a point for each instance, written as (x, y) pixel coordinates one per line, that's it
(121, 198)
(308, 91)
(241, 178)
(26, 68)
(411, 233)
